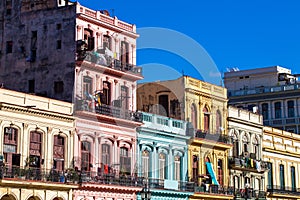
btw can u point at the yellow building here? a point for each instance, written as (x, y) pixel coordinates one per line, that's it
(36, 147)
(281, 150)
(204, 105)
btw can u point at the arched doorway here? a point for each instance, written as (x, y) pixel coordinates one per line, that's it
(8, 197)
(57, 198)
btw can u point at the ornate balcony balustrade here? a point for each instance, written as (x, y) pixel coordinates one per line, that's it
(214, 137)
(113, 111)
(247, 163)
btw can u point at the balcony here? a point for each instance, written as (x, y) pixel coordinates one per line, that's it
(281, 190)
(111, 179)
(107, 110)
(249, 193)
(37, 174)
(247, 164)
(214, 189)
(105, 60)
(170, 185)
(213, 137)
(264, 90)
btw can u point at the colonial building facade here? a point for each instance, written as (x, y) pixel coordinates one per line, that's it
(162, 157)
(271, 91)
(36, 147)
(204, 106)
(281, 152)
(69, 52)
(246, 165)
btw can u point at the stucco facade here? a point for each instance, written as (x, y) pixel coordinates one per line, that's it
(281, 151)
(246, 165)
(204, 107)
(162, 157)
(36, 146)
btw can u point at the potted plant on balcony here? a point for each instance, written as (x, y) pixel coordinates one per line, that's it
(72, 175)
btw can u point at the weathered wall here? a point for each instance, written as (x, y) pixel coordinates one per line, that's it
(51, 64)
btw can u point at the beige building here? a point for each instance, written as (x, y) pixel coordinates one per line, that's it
(36, 147)
(281, 150)
(204, 106)
(246, 168)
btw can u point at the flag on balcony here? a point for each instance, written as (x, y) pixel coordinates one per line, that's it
(105, 169)
(212, 173)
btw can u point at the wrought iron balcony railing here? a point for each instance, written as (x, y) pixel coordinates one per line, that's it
(277, 189)
(36, 174)
(89, 105)
(250, 193)
(160, 184)
(214, 137)
(112, 179)
(100, 58)
(214, 189)
(247, 163)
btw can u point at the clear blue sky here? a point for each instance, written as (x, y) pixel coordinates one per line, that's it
(235, 33)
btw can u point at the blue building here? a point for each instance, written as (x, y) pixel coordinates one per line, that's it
(162, 157)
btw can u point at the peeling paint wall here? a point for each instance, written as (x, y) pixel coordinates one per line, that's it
(37, 44)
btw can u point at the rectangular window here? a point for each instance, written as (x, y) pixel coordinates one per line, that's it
(87, 87)
(291, 109)
(146, 164)
(58, 87)
(58, 153)
(125, 161)
(8, 7)
(9, 47)
(124, 97)
(106, 93)
(277, 110)
(265, 111)
(58, 26)
(58, 44)
(220, 172)
(31, 86)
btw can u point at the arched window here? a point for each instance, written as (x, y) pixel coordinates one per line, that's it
(10, 147)
(35, 149)
(177, 168)
(293, 178)
(206, 119)
(194, 116)
(59, 153)
(245, 144)
(218, 122)
(125, 161)
(105, 154)
(146, 164)
(235, 145)
(162, 166)
(256, 148)
(85, 155)
(281, 177)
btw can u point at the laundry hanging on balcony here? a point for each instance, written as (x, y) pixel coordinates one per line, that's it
(212, 173)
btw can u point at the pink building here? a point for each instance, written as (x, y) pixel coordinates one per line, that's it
(105, 101)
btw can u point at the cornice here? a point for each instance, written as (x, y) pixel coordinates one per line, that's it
(34, 111)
